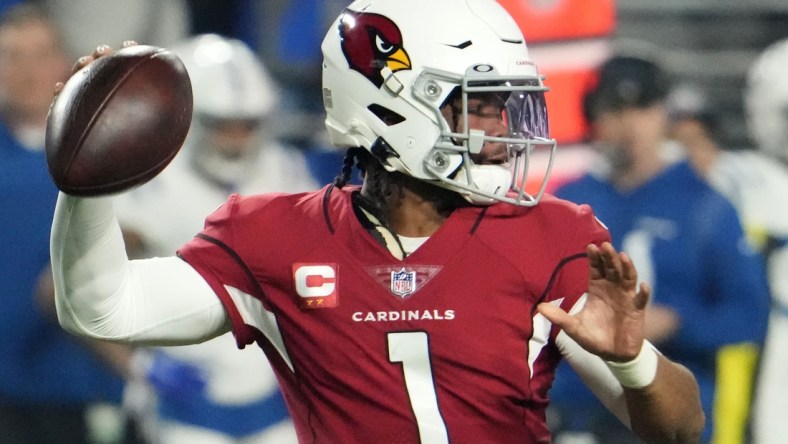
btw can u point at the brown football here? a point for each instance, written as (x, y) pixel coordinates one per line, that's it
(118, 121)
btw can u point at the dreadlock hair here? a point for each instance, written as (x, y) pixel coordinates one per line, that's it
(347, 167)
(378, 189)
(383, 187)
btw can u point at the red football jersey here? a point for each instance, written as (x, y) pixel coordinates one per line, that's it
(444, 346)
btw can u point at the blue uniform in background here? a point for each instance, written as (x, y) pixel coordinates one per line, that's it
(687, 242)
(40, 364)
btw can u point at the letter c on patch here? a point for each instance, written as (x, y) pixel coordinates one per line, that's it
(315, 281)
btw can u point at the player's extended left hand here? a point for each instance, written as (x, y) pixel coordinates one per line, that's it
(612, 322)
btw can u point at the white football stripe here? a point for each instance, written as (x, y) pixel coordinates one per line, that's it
(539, 338)
(254, 313)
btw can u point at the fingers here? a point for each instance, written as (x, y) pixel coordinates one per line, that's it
(81, 63)
(557, 316)
(613, 264)
(596, 265)
(101, 51)
(643, 296)
(606, 263)
(628, 271)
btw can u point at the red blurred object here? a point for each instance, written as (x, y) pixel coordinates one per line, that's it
(565, 102)
(557, 20)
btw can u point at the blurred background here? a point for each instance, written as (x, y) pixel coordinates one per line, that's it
(705, 44)
(709, 44)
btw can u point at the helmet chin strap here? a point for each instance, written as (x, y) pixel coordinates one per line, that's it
(492, 179)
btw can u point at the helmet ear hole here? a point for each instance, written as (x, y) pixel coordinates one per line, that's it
(387, 116)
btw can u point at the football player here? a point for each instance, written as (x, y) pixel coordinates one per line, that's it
(431, 304)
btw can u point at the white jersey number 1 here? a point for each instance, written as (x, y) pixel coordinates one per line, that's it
(412, 349)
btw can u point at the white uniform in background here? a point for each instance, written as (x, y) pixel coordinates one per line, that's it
(757, 183)
(183, 198)
(758, 187)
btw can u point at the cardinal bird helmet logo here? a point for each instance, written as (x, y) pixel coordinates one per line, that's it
(372, 45)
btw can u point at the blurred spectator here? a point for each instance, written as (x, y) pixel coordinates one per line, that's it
(694, 124)
(287, 34)
(149, 22)
(48, 382)
(710, 295)
(756, 182)
(229, 149)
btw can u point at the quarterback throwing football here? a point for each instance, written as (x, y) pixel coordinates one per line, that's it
(431, 304)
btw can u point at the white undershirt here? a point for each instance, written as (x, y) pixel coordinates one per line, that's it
(411, 244)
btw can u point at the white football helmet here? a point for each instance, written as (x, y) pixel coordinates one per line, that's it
(230, 83)
(390, 65)
(766, 100)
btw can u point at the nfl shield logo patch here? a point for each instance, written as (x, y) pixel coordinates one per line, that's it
(403, 283)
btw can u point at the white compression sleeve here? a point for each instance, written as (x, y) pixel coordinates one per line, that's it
(101, 294)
